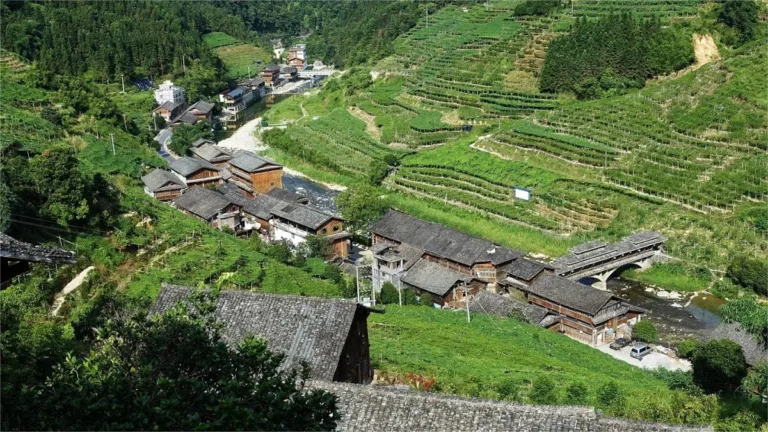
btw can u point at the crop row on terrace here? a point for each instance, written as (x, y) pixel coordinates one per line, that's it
(657, 8)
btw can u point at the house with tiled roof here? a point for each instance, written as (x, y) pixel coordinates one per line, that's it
(16, 256)
(503, 306)
(407, 250)
(585, 313)
(209, 206)
(255, 174)
(163, 185)
(256, 85)
(394, 409)
(271, 75)
(194, 171)
(169, 110)
(212, 154)
(330, 335)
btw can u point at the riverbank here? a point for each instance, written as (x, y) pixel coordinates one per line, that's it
(245, 138)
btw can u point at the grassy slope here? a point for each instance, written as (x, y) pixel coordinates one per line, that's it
(669, 133)
(475, 359)
(237, 55)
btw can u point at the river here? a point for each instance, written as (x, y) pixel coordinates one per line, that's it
(694, 319)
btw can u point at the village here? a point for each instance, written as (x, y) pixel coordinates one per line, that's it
(247, 196)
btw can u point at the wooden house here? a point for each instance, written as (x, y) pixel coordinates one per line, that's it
(271, 75)
(466, 260)
(16, 256)
(255, 174)
(330, 335)
(289, 73)
(196, 171)
(209, 206)
(256, 85)
(212, 154)
(202, 110)
(585, 313)
(169, 110)
(163, 185)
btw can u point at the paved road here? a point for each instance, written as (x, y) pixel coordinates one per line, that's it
(651, 361)
(163, 137)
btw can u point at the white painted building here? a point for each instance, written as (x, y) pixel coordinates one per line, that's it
(167, 92)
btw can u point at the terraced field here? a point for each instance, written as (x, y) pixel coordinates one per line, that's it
(685, 155)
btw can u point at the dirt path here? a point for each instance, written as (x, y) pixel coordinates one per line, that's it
(370, 124)
(71, 286)
(245, 138)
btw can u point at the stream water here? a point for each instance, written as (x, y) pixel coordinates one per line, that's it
(694, 320)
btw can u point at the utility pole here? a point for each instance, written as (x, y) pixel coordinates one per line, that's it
(154, 120)
(249, 71)
(112, 137)
(465, 290)
(183, 64)
(122, 79)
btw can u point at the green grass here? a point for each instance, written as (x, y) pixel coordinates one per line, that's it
(475, 359)
(219, 39)
(672, 276)
(237, 58)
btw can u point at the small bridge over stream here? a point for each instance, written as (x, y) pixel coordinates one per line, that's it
(597, 260)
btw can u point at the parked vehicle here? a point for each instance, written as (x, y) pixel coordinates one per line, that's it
(620, 343)
(639, 351)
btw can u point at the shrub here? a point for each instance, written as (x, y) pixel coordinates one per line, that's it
(509, 389)
(678, 380)
(750, 273)
(719, 365)
(543, 392)
(644, 331)
(409, 297)
(389, 294)
(686, 348)
(725, 288)
(742, 421)
(536, 7)
(751, 315)
(426, 300)
(611, 398)
(576, 394)
(740, 15)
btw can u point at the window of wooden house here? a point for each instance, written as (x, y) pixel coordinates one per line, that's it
(324, 231)
(335, 228)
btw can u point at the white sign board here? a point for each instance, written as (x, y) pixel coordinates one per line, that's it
(523, 194)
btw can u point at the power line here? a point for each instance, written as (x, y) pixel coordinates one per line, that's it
(34, 222)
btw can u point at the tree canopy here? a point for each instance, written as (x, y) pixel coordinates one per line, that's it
(718, 366)
(174, 372)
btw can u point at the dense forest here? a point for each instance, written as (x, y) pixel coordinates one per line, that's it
(613, 54)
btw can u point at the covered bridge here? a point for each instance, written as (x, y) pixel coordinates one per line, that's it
(16, 255)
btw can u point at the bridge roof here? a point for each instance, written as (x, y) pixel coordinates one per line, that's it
(596, 251)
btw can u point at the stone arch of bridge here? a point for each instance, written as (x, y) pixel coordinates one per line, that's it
(600, 280)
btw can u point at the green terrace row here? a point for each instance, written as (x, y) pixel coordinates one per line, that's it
(660, 8)
(513, 212)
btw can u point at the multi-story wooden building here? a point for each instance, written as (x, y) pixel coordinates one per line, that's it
(411, 251)
(163, 185)
(254, 174)
(196, 172)
(331, 335)
(169, 110)
(585, 313)
(255, 85)
(289, 73)
(271, 75)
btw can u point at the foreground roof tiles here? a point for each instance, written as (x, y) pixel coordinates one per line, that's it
(187, 166)
(13, 249)
(495, 304)
(305, 329)
(569, 293)
(160, 180)
(433, 277)
(379, 408)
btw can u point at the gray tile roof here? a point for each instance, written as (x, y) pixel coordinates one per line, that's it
(442, 241)
(211, 153)
(253, 82)
(301, 214)
(271, 68)
(525, 269)
(185, 117)
(251, 162)
(289, 70)
(392, 252)
(287, 195)
(305, 329)
(495, 304)
(570, 294)
(202, 202)
(433, 277)
(201, 141)
(170, 106)
(754, 351)
(202, 106)
(187, 166)
(159, 180)
(18, 250)
(383, 408)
